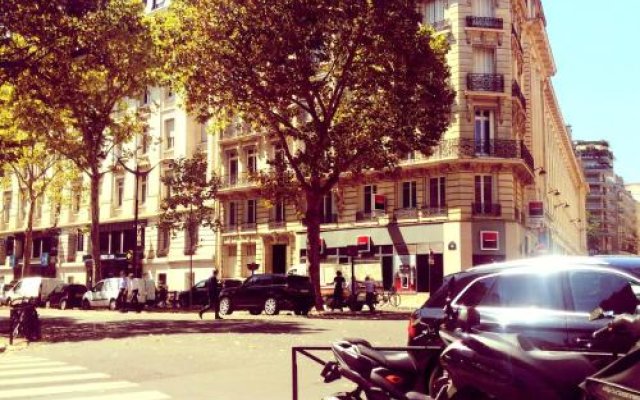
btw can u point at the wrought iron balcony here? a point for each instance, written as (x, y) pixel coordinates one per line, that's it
(484, 22)
(406, 213)
(488, 209)
(277, 223)
(434, 211)
(248, 226)
(517, 93)
(485, 82)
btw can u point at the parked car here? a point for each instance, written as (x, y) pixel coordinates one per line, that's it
(545, 300)
(66, 296)
(200, 291)
(36, 287)
(269, 292)
(5, 291)
(105, 293)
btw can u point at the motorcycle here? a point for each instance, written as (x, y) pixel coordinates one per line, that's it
(496, 366)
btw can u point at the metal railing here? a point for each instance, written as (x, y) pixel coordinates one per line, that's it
(484, 22)
(329, 219)
(243, 179)
(485, 82)
(488, 209)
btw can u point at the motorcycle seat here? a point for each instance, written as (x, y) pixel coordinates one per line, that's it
(400, 361)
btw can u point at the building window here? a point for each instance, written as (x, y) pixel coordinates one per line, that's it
(279, 211)
(437, 192)
(164, 241)
(38, 207)
(6, 211)
(232, 213)
(166, 186)
(191, 239)
(251, 211)
(144, 142)
(484, 60)
(204, 137)
(142, 188)
(232, 167)
(409, 194)
(484, 189)
(157, 4)
(368, 192)
(169, 133)
(145, 98)
(482, 8)
(327, 209)
(432, 12)
(483, 131)
(80, 241)
(119, 192)
(252, 160)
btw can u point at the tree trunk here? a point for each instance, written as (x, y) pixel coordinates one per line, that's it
(313, 217)
(28, 241)
(95, 224)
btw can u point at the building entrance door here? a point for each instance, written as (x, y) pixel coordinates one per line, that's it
(387, 272)
(279, 258)
(429, 276)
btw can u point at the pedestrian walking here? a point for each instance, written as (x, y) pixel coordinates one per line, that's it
(150, 289)
(122, 293)
(133, 289)
(370, 290)
(214, 292)
(338, 288)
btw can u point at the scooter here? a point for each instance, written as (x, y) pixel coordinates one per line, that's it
(495, 366)
(378, 375)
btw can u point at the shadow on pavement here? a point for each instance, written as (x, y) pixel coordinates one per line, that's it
(56, 329)
(362, 315)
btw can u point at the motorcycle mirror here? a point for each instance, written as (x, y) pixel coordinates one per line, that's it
(596, 313)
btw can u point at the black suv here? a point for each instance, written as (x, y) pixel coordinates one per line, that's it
(200, 292)
(269, 292)
(546, 300)
(66, 296)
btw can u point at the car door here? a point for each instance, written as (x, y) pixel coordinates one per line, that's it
(98, 295)
(56, 294)
(242, 296)
(201, 292)
(529, 304)
(590, 288)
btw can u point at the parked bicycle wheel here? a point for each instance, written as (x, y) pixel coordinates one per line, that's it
(394, 299)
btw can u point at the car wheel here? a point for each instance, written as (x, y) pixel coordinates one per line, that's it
(86, 305)
(255, 311)
(113, 305)
(63, 304)
(225, 306)
(355, 306)
(271, 306)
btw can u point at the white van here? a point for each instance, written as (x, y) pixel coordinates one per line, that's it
(36, 287)
(105, 293)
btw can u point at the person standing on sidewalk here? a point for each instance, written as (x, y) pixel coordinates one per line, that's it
(370, 290)
(214, 292)
(338, 288)
(121, 301)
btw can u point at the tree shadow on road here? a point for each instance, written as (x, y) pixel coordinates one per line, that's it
(57, 329)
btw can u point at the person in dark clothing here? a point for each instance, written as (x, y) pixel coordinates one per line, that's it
(338, 288)
(214, 292)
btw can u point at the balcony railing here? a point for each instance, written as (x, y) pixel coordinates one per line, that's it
(488, 209)
(471, 148)
(248, 226)
(517, 93)
(484, 22)
(277, 223)
(485, 82)
(235, 132)
(422, 212)
(237, 180)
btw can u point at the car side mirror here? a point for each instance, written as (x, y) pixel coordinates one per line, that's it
(596, 313)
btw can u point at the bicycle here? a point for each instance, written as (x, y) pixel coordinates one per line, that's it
(389, 297)
(24, 321)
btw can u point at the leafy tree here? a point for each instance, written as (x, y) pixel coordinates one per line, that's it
(343, 86)
(105, 53)
(189, 204)
(41, 173)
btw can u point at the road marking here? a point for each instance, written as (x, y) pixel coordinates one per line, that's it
(44, 370)
(149, 395)
(52, 379)
(30, 364)
(61, 389)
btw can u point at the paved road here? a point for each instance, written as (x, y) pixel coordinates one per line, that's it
(104, 355)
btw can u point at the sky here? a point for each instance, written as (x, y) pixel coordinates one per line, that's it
(596, 47)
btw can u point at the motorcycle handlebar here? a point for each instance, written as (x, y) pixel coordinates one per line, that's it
(601, 331)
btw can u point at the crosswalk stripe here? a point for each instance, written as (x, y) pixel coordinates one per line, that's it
(30, 364)
(9, 360)
(52, 378)
(52, 370)
(147, 395)
(62, 389)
